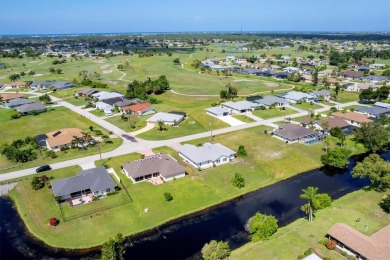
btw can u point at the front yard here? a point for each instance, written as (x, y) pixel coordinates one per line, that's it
(275, 112)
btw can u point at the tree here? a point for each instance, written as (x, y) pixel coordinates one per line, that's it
(338, 133)
(315, 77)
(168, 196)
(223, 94)
(114, 249)
(261, 227)
(373, 136)
(45, 99)
(385, 203)
(216, 250)
(36, 183)
(176, 61)
(322, 200)
(366, 94)
(375, 168)
(52, 70)
(310, 207)
(232, 91)
(337, 157)
(160, 125)
(386, 73)
(14, 77)
(337, 89)
(59, 71)
(31, 73)
(241, 152)
(238, 181)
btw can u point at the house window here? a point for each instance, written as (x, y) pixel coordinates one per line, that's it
(108, 190)
(224, 159)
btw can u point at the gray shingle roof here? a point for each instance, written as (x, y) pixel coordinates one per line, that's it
(291, 131)
(240, 105)
(319, 93)
(161, 163)
(269, 100)
(381, 104)
(95, 179)
(218, 111)
(165, 117)
(375, 110)
(20, 101)
(62, 85)
(295, 95)
(206, 152)
(27, 108)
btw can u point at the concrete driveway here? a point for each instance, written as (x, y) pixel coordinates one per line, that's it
(231, 120)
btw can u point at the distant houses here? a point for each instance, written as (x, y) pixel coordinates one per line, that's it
(207, 155)
(54, 85)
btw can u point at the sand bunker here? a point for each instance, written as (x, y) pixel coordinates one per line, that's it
(105, 66)
(271, 84)
(107, 71)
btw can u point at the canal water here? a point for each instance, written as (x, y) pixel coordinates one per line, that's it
(184, 238)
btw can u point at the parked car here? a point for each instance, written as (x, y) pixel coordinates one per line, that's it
(43, 168)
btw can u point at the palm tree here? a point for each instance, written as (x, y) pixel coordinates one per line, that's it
(160, 125)
(309, 194)
(77, 141)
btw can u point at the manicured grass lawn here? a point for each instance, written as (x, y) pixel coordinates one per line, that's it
(62, 156)
(138, 121)
(307, 106)
(80, 101)
(5, 114)
(293, 240)
(275, 112)
(97, 112)
(244, 118)
(55, 118)
(348, 96)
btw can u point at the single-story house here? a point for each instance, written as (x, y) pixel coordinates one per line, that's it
(376, 79)
(373, 112)
(41, 84)
(325, 124)
(207, 155)
(268, 101)
(282, 75)
(296, 96)
(61, 85)
(381, 104)
(351, 75)
(154, 166)
(351, 241)
(239, 106)
(30, 108)
(291, 133)
(326, 72)
(353, 86)
(353, 118)
(217, 111)
(61, 138)
(364, 69)
(106, 108)
(18, 102)
(5, 97)
(139, 109)
(377, 65)
(86, 92)
(103, 95)
(253, 98)
(17, 84)
(95, 181)
(321, 93)
(127, 102)
(167, 118)
(266, 73)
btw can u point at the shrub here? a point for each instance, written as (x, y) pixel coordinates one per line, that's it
(343, 253)
(44, 178)
(308, 252)
(36, 183)
(54, 222)
(323, 241)
(261, 227)
(117, 188)
(15, 115)
(331, 244)
(385, 203)
(112, 193)
(215, 250)
(238, 181)
(241, 152)
(168, 196)
(327, 258)
(57, 199)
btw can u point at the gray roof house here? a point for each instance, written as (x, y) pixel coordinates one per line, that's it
(127, 102)
(86, 92)
(296, 96)
(375, 79)
(18, 102)
(155, 166)
(103, 95)
(321, 93)
(167, 118)
(239, 106)
(207, 155)
(381, 104)
(61, 85)
(96, 181)
(373, 112)
(29, 108)
(41, 84)
(217, 111)
(268, 101)
(291, 133)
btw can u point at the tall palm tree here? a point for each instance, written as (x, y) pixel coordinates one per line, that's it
(77, 141)
(160, 125)
(309, 194)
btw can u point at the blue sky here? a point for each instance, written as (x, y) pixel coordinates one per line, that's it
(82, 16)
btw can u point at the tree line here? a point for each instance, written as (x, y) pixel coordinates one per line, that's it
(142, 89)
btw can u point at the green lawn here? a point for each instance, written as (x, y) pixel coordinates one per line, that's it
(5, 114)
(293, 240)
(244, 118)
(307, 105)
(348, 96)
(97, 112)
(271, 113)
(80, 101)
(138, 122)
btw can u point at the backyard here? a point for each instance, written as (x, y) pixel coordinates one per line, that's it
(275, 112)
(267, 163)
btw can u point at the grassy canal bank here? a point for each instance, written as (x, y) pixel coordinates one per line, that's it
(269, 161)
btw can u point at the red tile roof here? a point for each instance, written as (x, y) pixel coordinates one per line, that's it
(137, 108)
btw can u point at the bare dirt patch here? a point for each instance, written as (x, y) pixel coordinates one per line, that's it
(271, 84)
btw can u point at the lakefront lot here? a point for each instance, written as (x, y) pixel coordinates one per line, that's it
(269, 160)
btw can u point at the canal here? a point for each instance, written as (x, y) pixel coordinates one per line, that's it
(184, 238)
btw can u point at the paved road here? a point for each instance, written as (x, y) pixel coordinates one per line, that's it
(135, 145)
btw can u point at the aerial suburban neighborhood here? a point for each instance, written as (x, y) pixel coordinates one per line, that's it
(184, 144)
